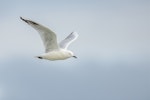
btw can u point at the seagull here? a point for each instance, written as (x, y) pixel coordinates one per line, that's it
(53, 49)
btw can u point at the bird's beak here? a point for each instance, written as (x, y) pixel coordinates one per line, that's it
(74, 56)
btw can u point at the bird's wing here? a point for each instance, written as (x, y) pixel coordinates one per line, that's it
(68, 40)
(48, 37)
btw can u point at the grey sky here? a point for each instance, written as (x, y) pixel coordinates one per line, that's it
(113, 50)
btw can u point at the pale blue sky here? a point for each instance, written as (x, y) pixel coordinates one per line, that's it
(109, 27)
(113, 50)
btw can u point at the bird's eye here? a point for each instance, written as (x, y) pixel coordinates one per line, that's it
(70, 53)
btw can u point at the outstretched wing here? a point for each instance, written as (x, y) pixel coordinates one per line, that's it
(68, 40)
(48, 37)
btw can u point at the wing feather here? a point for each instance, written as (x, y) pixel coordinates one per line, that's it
(68, 40)
(48, 37)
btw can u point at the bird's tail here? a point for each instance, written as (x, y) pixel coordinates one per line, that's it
(39, 57)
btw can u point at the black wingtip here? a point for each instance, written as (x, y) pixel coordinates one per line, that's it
(23, 19)
(29, 21)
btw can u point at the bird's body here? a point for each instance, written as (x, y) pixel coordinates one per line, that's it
(53, 50)
(59, 54)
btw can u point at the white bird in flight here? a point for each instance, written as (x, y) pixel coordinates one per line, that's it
(53, 50)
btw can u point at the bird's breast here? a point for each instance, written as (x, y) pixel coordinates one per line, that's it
(55, 55)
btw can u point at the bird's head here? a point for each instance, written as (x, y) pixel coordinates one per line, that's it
(71, 54)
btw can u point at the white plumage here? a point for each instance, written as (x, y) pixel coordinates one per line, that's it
(53, 50)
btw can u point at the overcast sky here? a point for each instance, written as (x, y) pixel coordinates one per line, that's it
(113, 50)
